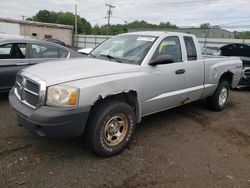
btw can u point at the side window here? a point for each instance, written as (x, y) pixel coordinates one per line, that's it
(63, 53)
(170, 46)
(191, 49)
(5, 51)
(13, 51)
(44, 51)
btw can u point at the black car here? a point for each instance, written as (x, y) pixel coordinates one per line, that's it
(55, 41)
(17, 53)
(242, 51)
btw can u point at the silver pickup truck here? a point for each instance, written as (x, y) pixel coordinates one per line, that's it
(124, 79)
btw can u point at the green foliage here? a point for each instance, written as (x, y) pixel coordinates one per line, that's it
(167, 25)
(140, 24)
(205, 26)
(45, 16)
(242, 35)
(143, 24)
(112, 30)
(209, 26)
(86, 26)
(66, 18)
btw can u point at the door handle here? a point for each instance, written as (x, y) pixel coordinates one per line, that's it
(21, 64)
(180, 71)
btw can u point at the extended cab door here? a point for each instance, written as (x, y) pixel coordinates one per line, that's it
(13, 58)
(164, 86)
(194, 69)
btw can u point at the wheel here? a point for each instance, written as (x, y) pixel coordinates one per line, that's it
(220, 97)
(110, 128)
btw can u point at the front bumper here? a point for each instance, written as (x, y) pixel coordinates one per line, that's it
(49, 121)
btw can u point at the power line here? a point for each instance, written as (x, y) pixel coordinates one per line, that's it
(91, 8)
(212, 18)
(216, 18)
(97, 19)
(192, 2)
(228, 24)
(236, 26)
(109, 12)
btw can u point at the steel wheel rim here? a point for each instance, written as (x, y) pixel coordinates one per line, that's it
(223, 96)
(115, 130)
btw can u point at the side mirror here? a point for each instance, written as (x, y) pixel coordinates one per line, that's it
(162, 59)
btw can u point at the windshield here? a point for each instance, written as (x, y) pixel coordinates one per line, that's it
(124, 48)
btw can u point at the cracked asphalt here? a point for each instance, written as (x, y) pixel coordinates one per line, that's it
(189, 146)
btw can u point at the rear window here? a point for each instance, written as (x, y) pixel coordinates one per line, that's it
(191, 49)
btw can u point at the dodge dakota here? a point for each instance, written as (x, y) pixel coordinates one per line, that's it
(122, 80)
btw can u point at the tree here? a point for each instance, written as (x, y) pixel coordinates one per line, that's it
(86, 26)
(167, 25)
(45, 16)
(216, 27)
(205, 26)
(143, 24)
(242, 35)
(140, 24)
(66, 18)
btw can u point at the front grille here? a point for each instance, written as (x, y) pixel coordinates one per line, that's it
(18, 84)
(31, 99)
(32, 86)
(27, 90)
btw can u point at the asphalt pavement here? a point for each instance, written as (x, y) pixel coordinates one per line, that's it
(189, 146)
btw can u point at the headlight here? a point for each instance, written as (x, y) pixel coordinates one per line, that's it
(61, 95)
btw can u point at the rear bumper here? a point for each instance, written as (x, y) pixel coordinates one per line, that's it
(245, 78)
(48, 121)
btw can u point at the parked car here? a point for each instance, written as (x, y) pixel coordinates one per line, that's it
(17, 53)
(105, 95)
(55, 41)
(242, 51)
(214, 51)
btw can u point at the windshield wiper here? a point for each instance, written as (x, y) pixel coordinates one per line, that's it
(112, 57)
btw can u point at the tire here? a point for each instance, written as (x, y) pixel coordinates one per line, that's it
(110, 128)
(219, 99)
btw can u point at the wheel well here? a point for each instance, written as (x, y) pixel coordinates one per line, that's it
(228, 76)
(129, 97)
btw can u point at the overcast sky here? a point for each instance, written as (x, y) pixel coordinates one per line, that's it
(180, 12)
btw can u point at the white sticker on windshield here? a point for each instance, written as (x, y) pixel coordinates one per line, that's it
(150, 39)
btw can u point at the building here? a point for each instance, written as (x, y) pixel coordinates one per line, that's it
(37, 30)
(199, 32)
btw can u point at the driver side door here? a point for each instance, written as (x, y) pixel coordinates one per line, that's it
(164, 85)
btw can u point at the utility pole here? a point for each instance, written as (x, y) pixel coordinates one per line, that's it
(23, 17)
(75, 19)
(109, 12)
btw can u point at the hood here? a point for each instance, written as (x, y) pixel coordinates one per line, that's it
(57, 72)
